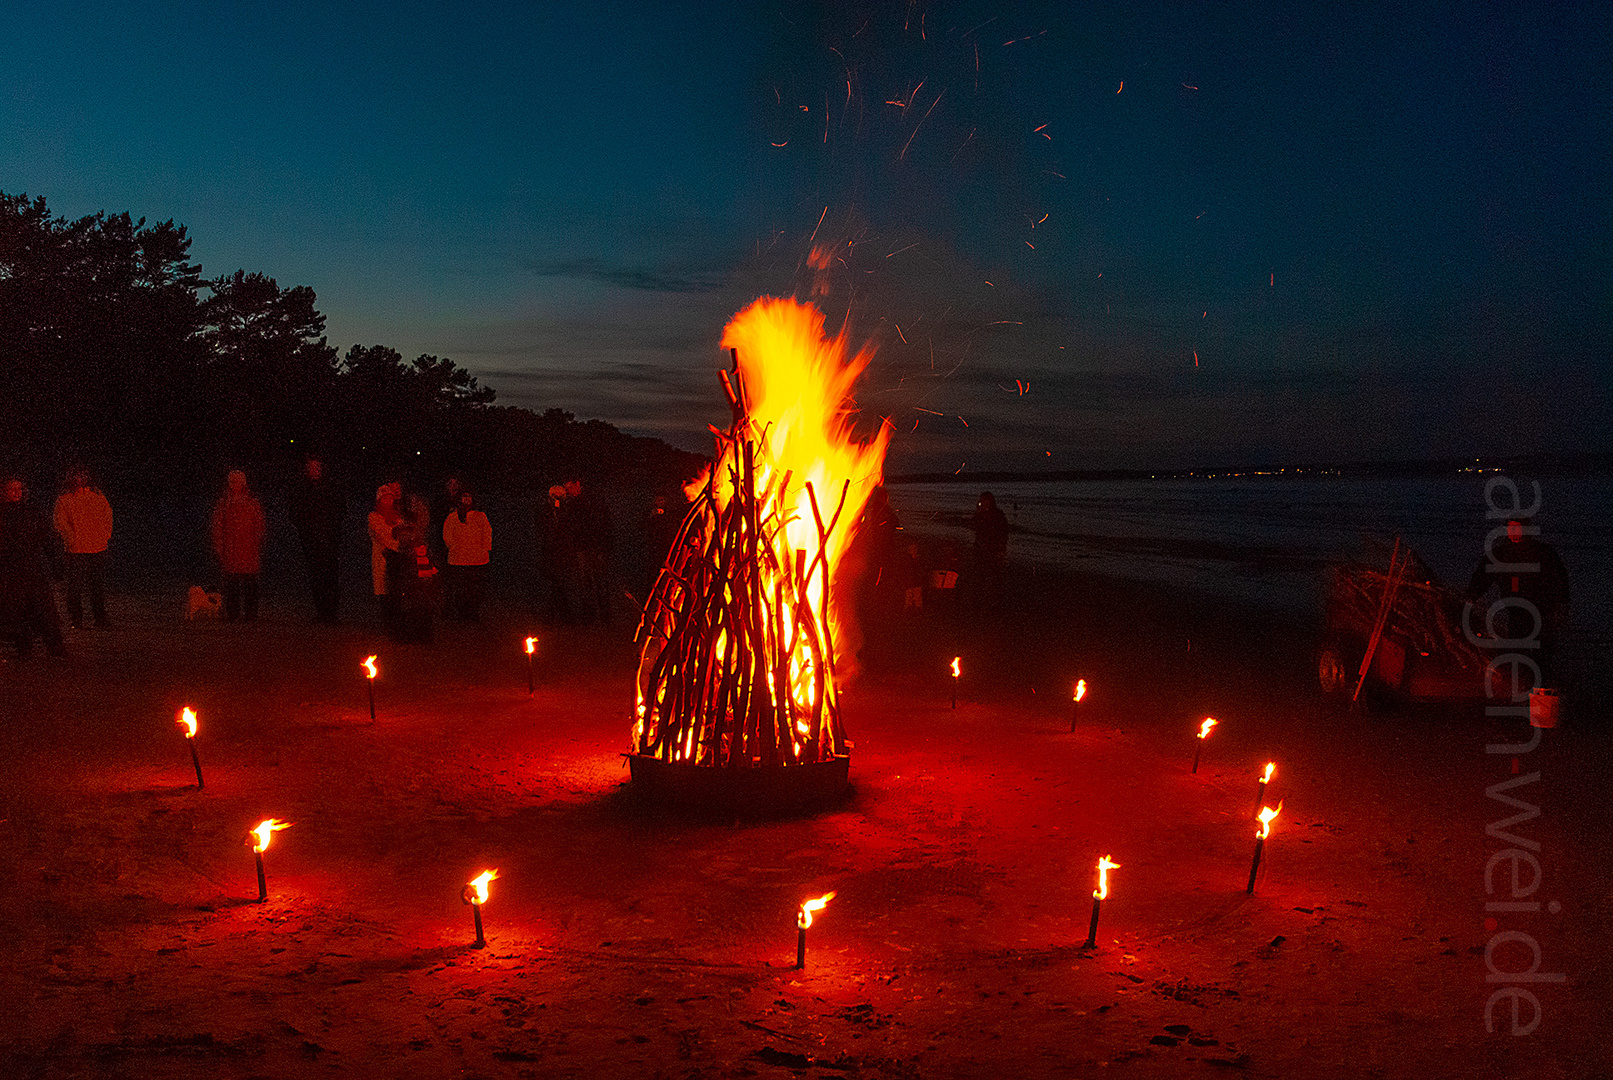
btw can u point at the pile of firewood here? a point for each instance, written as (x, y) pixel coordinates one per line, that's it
(736, 664)
(1421, 613)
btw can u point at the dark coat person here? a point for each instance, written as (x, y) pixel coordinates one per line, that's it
(27, 601)
(317, 507)
(990, 527)
(1526, 584)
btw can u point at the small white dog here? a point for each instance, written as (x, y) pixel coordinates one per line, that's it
(203, 604)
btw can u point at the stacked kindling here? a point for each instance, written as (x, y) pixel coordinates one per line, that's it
(736, 664)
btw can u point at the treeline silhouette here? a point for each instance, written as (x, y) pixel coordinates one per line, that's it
(116, 351)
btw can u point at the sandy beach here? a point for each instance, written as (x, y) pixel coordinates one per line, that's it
(623, 942)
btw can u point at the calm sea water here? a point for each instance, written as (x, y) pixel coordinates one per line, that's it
(1268, 540)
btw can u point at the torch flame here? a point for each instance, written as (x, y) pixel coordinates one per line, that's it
(369, 666)
(1080, 689)
(187, 720)
(810, 906)
(531, 645)
(1104, 866)
(265, 829)
(479, 886)
(1271, 769)
(1204, 728)
(955, 670)
(1266, 814)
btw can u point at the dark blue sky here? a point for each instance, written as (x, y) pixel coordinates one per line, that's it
(1383, 235)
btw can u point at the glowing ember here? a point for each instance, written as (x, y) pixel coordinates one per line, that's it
(1080, 689)
(1266, 815)
(1104, 866)
(478, 885)
(1271, 769)
(369, 667)
(531, 645)
(187, 720)
(263, 830)
(1204, 728)
(805, 918)
(740, 634)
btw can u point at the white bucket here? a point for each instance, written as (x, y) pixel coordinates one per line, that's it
(1543, 707)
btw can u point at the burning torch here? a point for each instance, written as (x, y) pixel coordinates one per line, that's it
(475, 894)
(1104, 866)
(187, 720)
(803, 919)
(1265, 778)
(1204, 731)
(370, 673)
(259, 837)
(956, 671)
(531, 647)
(1075, 702)
(1266, 814)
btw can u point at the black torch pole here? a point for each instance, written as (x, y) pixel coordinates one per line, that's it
(1254, 867)
(194, 760)
(800, 946)
(476, 910)
(371, 684)
(529, 686)
(954, 691)
(263, 885)
(1092, 927)
(1260, 798)
(1196, 752)
(1075, 713)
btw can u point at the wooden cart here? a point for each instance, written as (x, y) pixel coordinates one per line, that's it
(1396, 634)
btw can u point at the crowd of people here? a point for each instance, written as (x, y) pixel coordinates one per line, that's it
(427, 557)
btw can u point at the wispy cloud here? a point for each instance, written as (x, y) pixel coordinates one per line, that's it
(645, 279)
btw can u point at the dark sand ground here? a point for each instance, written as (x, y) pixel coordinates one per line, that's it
(630, 944)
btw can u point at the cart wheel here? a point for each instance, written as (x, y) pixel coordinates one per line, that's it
(1337, 666)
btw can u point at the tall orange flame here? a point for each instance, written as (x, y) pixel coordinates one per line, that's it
(1080, 689)
(1271, 770)
(796, 389)
(1204, 728)
(956, 670)
(479, 884)
(531, 645)
(264, 829)
(1266, 815)
(804, 920)
(1104, 866)
(187, 720)
(369, 666)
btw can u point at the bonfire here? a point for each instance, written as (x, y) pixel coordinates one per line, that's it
(738, 637)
